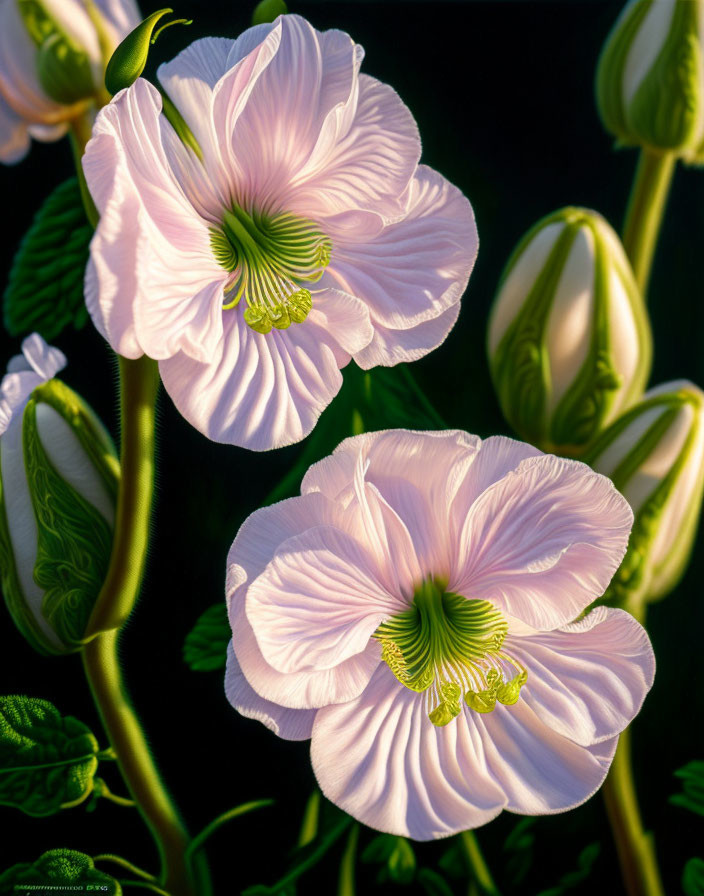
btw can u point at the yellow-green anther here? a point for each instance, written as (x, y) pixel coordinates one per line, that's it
(569, 339)
(449, 646)
(129, 59)
(268, 11)
(650, 76)
(270, 258)
(655, 456)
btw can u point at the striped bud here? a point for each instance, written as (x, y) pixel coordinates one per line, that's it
(58, 486)
(655, 456)
(569, 338)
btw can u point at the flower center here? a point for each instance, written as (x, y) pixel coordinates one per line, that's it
(449, 646)
(270, 258)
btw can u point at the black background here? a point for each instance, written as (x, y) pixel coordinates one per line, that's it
(503, 95)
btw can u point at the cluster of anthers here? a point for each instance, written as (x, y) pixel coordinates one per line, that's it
(271, 260)
(450, 647)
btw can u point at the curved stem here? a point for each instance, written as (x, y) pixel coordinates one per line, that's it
(80, 134)
(198, 841)
(309, 826)
(636, 851)
(479, 870)
(125, 865)
(646, 207)
(346, 885)
(139, 383)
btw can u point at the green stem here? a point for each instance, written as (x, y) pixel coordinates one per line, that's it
(346, 880)
(197, 842)
(79, 133)
(139, 383)
(124, 864)
(104, 792)
(309, 826)
(479, 870)
(646, 207)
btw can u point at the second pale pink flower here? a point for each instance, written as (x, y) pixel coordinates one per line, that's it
(301, 233)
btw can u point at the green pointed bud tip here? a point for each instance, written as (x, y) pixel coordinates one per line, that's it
(649, 80)
(129, 59)
(654, 454)
(569, 340)
(63, 514)
(268, 11)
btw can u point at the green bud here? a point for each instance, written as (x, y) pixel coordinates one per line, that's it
(129, 59)
(569, 339)
(268, 11)
(58, 486)
(655, 456)
(650, 77)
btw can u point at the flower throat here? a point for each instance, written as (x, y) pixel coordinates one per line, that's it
(450, 647)
(270, 259)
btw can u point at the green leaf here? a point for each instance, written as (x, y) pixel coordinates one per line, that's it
(45, 288)
(519, 849)
(572, 879)
(693, 878)
(433, 883)
(205, 647)
(395, 855)
(58, 869)
(47, 761)
(383, 398)
(692, 796)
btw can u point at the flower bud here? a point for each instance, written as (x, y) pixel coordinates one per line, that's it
(654, 455)
(52, 59)
(58, 487)
(569, 338)
(650, 77)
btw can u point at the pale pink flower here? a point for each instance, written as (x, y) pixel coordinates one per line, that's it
(306, 233)
(416, 612)
(25, 108)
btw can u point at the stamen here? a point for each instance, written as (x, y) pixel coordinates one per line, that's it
(270, 259)
(447, 646)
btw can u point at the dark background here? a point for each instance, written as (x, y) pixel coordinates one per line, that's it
(502, 92)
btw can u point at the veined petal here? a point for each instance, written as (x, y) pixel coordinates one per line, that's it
(390, 347)
(264, 391)
(318, 602)
(381, 760)
(14, 137)
(589, 679)
(418, 266)
(543, 542)
(290, 724)
(539, 770)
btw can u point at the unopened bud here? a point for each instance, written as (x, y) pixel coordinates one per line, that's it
(569, 338)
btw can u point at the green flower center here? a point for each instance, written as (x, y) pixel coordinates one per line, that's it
(450, 647)
(270, 259)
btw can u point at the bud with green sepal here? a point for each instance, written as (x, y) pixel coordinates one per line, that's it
(654, 454)
(58, 486)
(650, 77)
(569, 338)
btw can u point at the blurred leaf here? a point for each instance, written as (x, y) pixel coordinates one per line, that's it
(58, 869)
(205, 647)
(267, 11)
(395, 855)
(45, 287)
(572, 879)
(692, 796)
(693, 878)
(332, 825)
(47, 761)
(382, 398)
(433, 883)
(453, 861)
(519, 848)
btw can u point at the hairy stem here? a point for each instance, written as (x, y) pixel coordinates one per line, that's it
(646, 207)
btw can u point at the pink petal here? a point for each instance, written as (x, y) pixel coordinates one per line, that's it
(418, 266)
(14, 137)
(318, 602)
(264, 391)
(381, 760)
(587, 681)
(543, 542)
(290, 724)
(390, 347)
(45, 360)
(369, 166)
(540, 771)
